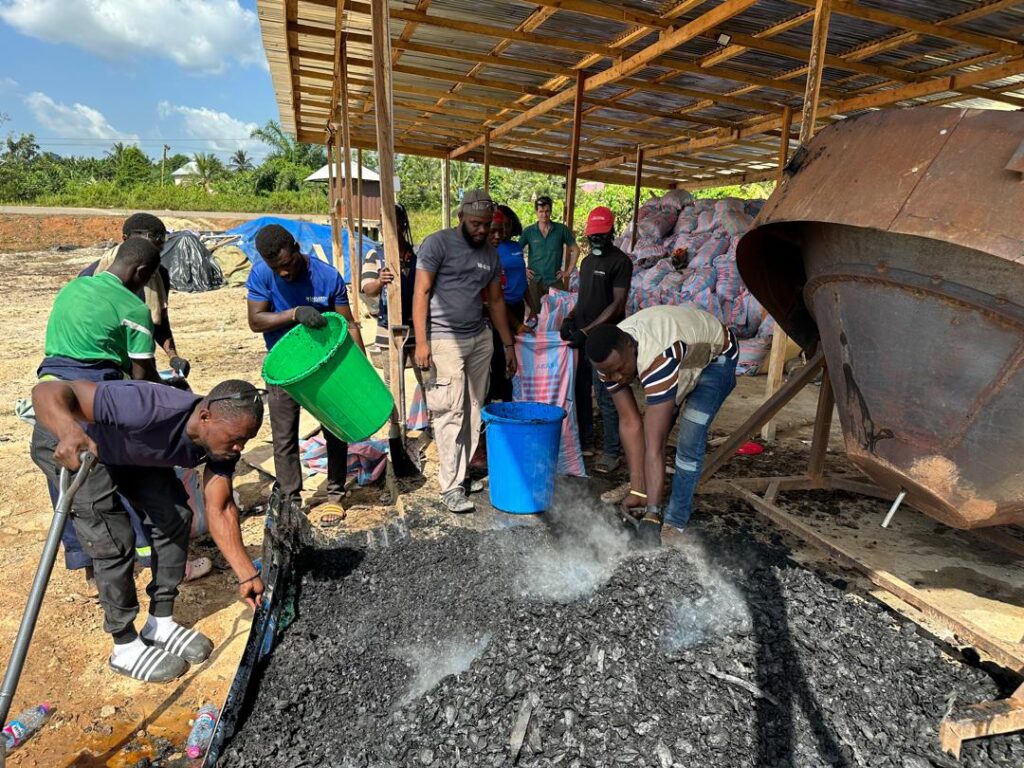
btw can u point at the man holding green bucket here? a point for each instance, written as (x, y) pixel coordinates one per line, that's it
(286, 289)
(455, 270)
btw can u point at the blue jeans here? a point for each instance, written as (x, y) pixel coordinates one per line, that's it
(699, 409)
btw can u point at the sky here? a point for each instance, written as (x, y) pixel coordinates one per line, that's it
(83, 74)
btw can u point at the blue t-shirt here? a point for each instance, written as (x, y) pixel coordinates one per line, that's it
(513, 265)
(321, 287)
(142, 424)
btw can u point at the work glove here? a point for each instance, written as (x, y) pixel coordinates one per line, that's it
(182, 366)
(568, 329)
(309, 317)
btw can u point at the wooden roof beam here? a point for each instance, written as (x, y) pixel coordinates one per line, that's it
(732, 50)
(667, 42)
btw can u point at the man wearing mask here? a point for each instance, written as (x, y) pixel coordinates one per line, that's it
(457, 268)
(551, 253)
(605, 276)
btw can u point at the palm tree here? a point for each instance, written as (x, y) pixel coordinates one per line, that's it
(116, 151)
(285, 147)
(209, 168)
(240, 161)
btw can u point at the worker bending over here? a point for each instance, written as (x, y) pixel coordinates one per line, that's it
(286, 289)
(139, 431)
(683, 358)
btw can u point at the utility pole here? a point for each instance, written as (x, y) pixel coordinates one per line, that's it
(163, 164)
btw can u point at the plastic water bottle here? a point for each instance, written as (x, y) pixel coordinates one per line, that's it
(25, 724)
(202, 732)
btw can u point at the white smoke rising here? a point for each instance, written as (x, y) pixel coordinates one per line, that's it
(435, 660)
(719, 611)
(577, 559)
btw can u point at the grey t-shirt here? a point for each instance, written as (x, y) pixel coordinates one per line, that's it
(462, 272)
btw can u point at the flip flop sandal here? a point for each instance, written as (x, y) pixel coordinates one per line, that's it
(188, 644)
(331, 513)
(154, 665)
(330, 520)
(196, 569)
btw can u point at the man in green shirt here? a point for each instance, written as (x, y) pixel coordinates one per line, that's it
(551, 253)
(98, 328)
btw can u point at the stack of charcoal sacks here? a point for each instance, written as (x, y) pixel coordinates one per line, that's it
(685, 253)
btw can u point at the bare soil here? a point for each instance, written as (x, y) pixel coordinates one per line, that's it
(32, 232)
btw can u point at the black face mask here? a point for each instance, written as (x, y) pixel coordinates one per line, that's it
(599, 243)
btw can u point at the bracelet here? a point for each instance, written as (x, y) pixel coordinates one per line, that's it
(639, 494)
(510, 346)
(254, 576)
(294, 310)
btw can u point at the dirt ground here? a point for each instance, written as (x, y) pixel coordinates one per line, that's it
(67, 661)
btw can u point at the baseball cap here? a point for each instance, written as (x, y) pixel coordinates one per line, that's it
(477, 203)
(601, 221)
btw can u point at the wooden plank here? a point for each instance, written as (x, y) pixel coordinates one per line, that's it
(815, 68)
(386, 155)
(638, 178)
(487, 162)
(777, 358)
(733, 50)
(446, 192)
(359, 210)
(822, 427)
(990, 718)
(971, 634)
(354, 259)
(635, 63)
(766, 411)
(332, 196)
(574, 153)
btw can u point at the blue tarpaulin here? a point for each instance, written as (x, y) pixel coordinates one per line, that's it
(306, 235)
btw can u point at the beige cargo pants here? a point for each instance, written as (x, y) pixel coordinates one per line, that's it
(455, 388)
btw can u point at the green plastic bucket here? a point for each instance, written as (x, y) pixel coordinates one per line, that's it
(327, 374)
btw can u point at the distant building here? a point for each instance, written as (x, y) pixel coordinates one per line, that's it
(371, 190)
(189, 172)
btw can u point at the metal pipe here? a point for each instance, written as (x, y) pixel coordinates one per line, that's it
(895, 505)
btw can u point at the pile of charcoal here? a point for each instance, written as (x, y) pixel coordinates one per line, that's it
(540, 647)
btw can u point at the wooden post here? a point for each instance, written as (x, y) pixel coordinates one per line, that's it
(636, 192)
(380, 25)
(487, 162)
(354, 259)
(574, 153)
(446, 192)
(815, 67)
(332, 196)
(822, 427)
(777, 359)
(359, 206)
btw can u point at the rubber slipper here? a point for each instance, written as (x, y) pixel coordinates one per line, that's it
(750, 448)
(188, 644)
(196, 569)
(330, 514)
(154, 665)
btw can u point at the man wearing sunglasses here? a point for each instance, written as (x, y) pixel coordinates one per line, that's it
(155, 291)
(140, 431)
(288, 288)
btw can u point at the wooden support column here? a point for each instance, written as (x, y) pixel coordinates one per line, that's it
(359, 207)
(636, 192)
(822, 427)
(815, 67)
(777, 359)
(383, 108)
(487, 162)
(354, 258)
(332, 197)
(574, 153)
(446, 192)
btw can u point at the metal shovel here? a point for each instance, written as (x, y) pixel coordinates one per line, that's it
(68, 488)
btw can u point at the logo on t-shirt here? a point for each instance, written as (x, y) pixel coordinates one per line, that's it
(316, 299)
(481, 265)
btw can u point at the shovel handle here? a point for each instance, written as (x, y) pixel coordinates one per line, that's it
(69, 486)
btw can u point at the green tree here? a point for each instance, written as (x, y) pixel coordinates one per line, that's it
(131, 166)
(209, 169)
(240, 161)
(284, 146)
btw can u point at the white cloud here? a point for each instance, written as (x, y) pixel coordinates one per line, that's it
(75, 122)
(221, 132)
(199, 35)
(8, 85)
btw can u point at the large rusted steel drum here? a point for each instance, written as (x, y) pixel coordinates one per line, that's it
(897, 241)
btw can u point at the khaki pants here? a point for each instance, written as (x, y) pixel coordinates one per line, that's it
(455, 387)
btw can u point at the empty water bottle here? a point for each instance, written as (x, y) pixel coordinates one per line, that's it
(202, 732)
(25, 724)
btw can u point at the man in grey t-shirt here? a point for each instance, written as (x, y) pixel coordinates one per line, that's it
(456, 270)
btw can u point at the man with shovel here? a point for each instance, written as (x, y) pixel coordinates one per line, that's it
(289, 288)
(139, 431)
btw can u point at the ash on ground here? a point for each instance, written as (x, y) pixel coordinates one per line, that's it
(565, 647)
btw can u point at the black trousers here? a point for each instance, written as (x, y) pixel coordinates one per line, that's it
(500, 387)
(105, 532)
(284, 429)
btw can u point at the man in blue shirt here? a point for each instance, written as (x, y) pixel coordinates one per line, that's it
(139, 431)
(513, 286)
(285, 289)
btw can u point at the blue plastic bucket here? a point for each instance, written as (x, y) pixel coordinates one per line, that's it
(522, 454)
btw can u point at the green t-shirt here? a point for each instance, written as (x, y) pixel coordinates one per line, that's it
(545, 254)
(97, 318)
